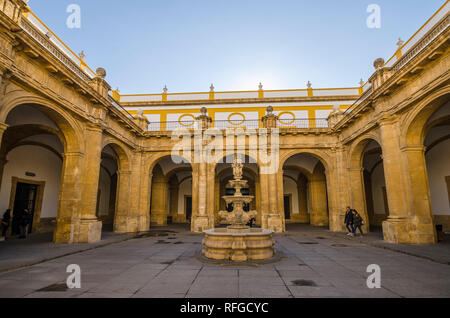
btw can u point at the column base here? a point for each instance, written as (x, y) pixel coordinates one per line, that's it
(302, 219)
(424, 233)
(64, 231)
(275, 223)
(126, 225)
(200, 224)
(319, 220)
(89, 231)
(398, 231)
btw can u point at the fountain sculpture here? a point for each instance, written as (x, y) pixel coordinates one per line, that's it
(238, 242)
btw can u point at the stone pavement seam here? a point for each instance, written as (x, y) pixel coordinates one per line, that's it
(18, 267)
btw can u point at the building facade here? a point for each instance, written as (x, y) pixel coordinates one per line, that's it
(84, 157)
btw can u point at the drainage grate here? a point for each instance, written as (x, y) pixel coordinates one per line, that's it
(162, 242)
(303, 282)
(308, 243)
(321, 238)
(61, 287)
(178, 243)
(339, 245)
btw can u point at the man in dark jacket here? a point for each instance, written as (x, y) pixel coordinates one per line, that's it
(24, 222)
(358, 222)
(349, 220)
(5, 224)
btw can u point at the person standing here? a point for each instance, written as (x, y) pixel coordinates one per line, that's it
(349, 220)
(5, 224)
(357, 223)
(24, 222)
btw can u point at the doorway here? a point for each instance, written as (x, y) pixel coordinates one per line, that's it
(26, 194)
(188, 207)
(287, 207)
(25, 198)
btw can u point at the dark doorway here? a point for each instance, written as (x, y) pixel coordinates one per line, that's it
(188, 208)
(25, 199)
(287, 207)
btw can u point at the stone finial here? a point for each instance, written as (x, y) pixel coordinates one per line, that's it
(101, 73)
(140, 112)
(378, 63)
(165, 90)
(309, 85)
(260, 86)
(400, 43)
(269, 110)
(361, 82)
(211, 88)
(82, 55)
(204, 111)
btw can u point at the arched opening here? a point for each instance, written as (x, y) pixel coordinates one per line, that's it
(224, 173)
(171, 200)
(437, 158)
(107, 188)
(376, 202)
(32, 160)
(368, 185)
(305, 194)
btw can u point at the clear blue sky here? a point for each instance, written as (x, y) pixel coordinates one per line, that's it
(235, 44)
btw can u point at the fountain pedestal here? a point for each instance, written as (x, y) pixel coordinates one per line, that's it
(238, 242)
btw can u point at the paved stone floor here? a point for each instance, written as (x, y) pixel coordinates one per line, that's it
(164, 266)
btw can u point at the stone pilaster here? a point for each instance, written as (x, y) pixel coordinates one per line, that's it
(303, 215)
(173, 201)
(158, 216)
(318, 197)
(69, 207)
(200, 220)
(357, 191)
(422, 221)
(397, 228)
(90, 226)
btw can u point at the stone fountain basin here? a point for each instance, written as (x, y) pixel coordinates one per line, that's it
(238, 246)
(243, 199)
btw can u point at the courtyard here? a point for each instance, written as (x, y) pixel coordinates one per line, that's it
(162, 263)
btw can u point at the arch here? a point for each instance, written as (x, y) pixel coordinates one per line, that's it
(67, 124)
(121, 152)
(321, 155)
(415, 122)
(358, 146)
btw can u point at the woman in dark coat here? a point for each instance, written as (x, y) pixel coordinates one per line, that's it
(357, 223)
(5, 223)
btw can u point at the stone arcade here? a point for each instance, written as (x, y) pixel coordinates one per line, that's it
(86, 158)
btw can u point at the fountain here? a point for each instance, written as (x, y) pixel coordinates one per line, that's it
(238, 242)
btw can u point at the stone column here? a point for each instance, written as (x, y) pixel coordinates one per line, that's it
(396, 229)
(318, 198)
(200, 221)
(275, 220)
(131, 189)
(173, 204)
(424, 230)
(122, 220)
(303, 215)
(338, 184)
(210, 179)
(217, 200)
(3, 160)
(69, 207)
(158, 216)
(258, 200)
(90, 226)
(264, 179)
(144, 204)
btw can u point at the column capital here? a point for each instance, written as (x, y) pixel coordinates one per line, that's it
(413, 148)
(94, 127)
(3, 127)
(73, 154)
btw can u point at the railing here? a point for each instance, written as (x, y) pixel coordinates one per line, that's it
(403, 61)
(302, 123)
(120, 108)
(50, 41)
